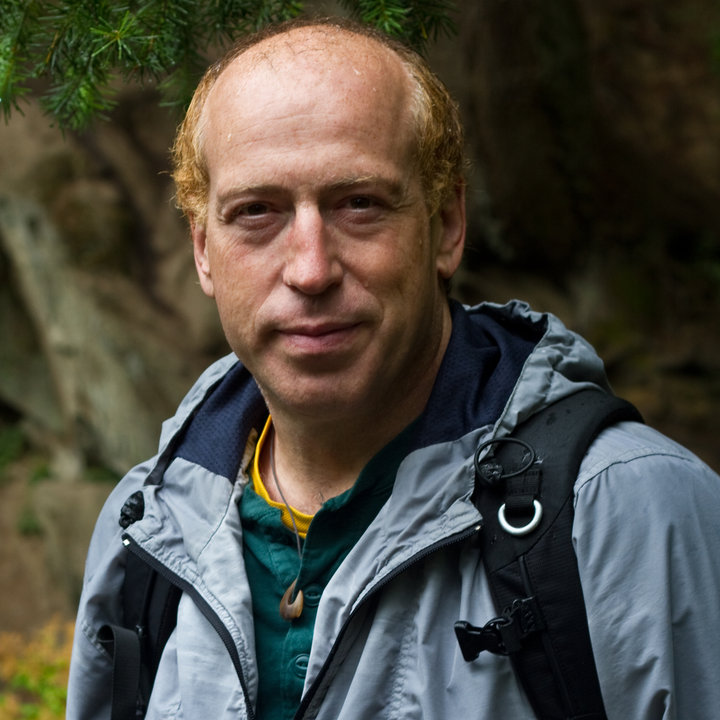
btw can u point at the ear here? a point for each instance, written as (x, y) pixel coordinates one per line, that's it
(451, 233)
(202, 261)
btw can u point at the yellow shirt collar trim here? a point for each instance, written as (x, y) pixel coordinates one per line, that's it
(302, 520)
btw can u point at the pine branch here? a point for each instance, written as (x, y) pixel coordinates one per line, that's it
(16, 23)
(415, 21)
(82, 46)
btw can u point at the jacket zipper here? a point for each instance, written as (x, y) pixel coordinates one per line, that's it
(211, 616)
(440, 545)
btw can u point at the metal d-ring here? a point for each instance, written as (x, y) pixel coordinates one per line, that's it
(525, 529)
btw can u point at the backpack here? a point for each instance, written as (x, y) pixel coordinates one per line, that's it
(541, 624)
(524, 490)
(149, 603)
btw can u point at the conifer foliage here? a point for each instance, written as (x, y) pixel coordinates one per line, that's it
(74, 51)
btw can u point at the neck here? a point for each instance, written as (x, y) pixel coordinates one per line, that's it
(313, 467)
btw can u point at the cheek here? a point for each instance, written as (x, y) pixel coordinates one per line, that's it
(401, 259)
(236, 276)
(234, 298)
(409, 271)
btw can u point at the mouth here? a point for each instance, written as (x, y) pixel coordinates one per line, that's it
(319, 338)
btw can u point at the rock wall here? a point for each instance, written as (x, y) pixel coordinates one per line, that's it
(103, 324)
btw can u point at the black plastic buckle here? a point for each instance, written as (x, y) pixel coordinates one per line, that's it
(473, 640)
(502, 635)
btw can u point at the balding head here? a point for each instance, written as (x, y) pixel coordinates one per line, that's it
(327, 48)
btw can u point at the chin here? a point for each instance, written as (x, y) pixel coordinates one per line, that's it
(321, 400)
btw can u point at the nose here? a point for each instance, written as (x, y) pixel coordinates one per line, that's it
(312, 265)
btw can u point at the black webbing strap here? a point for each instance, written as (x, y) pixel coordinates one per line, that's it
(124, 646)
(533, 575)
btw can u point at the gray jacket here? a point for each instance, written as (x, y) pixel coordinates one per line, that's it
(646, 534)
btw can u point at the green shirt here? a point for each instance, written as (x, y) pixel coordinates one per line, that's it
(283, 647)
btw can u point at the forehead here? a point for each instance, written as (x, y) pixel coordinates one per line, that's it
(320, 46)
(310, 67)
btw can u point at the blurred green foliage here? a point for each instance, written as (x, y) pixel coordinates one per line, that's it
(34, 672)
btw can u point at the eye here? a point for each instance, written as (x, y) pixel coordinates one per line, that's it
(245, 212)
(253, 221)
(365, 203)
(360, 210)
(361, 202)
(253, 209)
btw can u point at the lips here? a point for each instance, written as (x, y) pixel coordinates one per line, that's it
(319, 337)
(318, 329)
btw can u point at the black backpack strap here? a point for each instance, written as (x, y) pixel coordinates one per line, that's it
(524, 490)
(124, 646)
(149, 606)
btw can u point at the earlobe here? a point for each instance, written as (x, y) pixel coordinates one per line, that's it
(202, 261)
(451, 241)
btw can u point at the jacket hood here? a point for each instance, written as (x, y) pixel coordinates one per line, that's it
(561, 363)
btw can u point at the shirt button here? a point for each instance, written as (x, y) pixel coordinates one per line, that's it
(312, 595)
(300, 665)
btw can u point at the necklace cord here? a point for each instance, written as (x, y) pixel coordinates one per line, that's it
(282, 496)
(289, 609)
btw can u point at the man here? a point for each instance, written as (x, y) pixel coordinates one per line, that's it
(312, 496)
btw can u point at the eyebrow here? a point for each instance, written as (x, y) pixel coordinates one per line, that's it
(233, 192)
(396, 188)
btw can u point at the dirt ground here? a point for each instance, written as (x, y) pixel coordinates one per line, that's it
(45, 531)
(28, 595)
